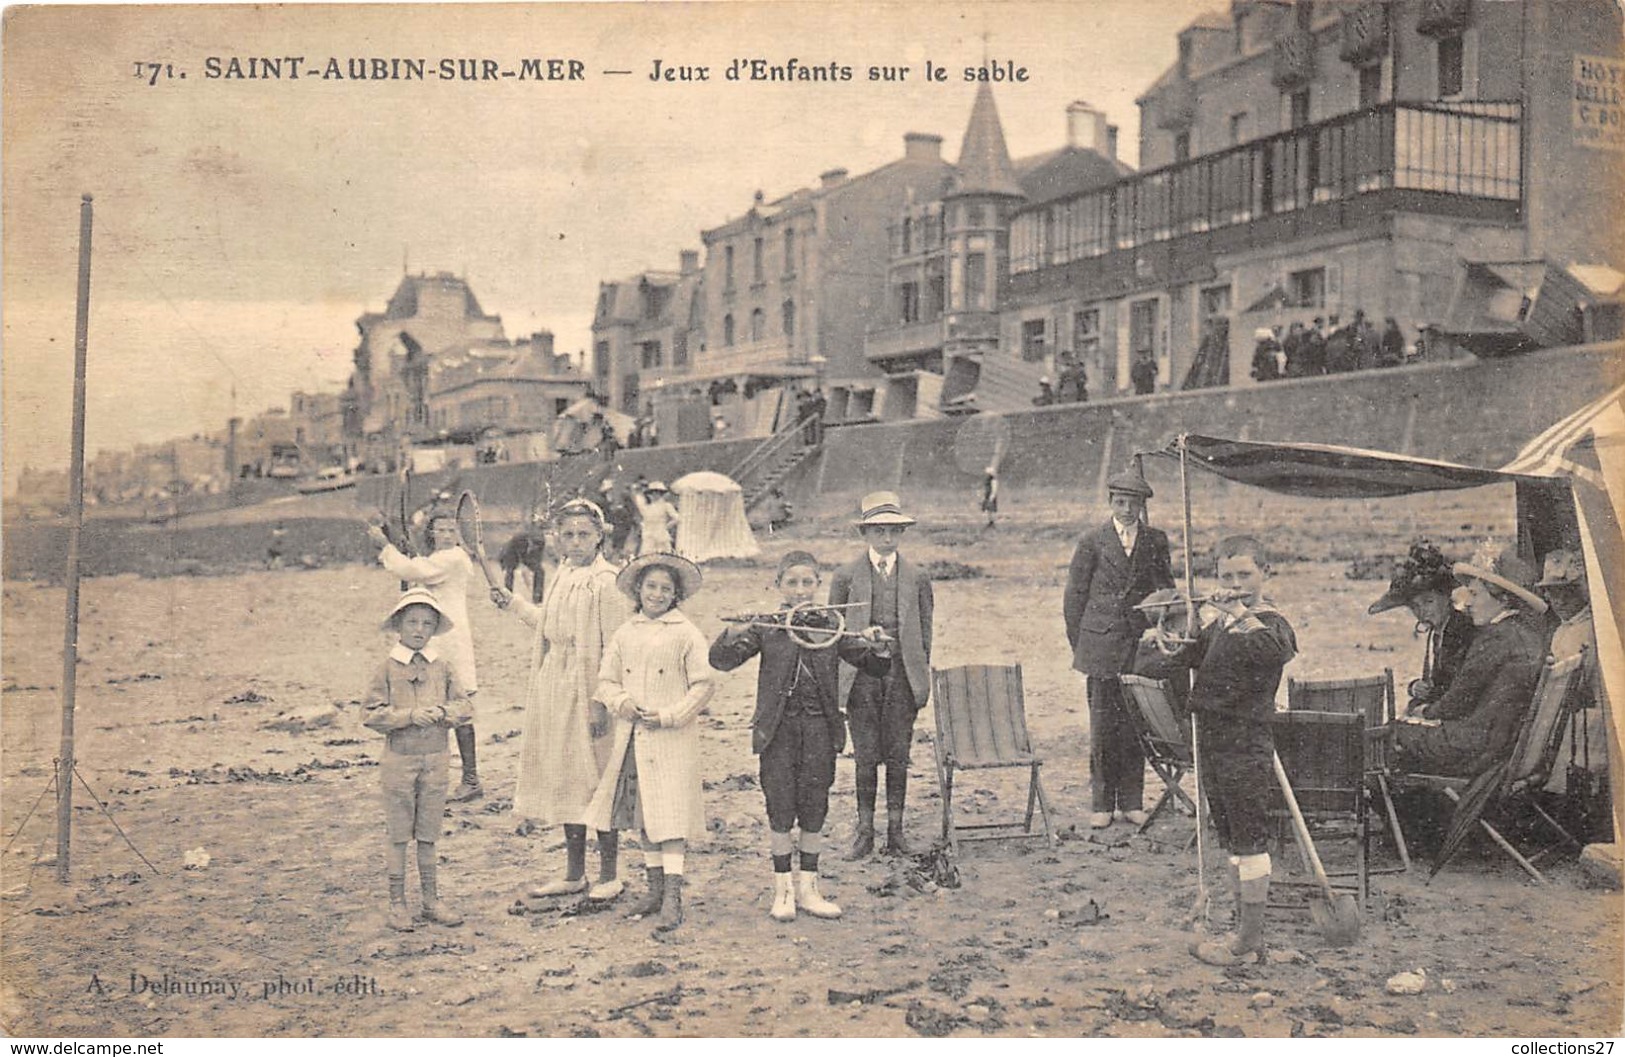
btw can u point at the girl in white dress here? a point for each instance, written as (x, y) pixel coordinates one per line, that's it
(566, 734)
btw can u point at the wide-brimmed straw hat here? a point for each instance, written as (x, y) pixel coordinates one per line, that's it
(1129, 483)
(1506, 571)
(418, 596)
(882, 508)
(1424, 569)
(689, 579)
(656, 486)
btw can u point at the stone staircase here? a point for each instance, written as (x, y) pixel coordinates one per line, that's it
(775, 459)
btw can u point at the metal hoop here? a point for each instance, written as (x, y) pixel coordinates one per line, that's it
(797, 634)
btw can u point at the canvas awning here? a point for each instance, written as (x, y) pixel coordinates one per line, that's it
(1330, 471)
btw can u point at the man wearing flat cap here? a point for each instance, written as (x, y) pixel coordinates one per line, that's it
(1113, 569)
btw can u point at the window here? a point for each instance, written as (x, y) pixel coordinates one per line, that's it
(908, 302)
(758, 323)
(908, 236)
(1307, 288)
(1298, 108)
(976, 281)
(936, 299)
(600, 359)
(649, 354)
(787, 318)
(1214, 301)
(1182, 146)
(789, 251)
(727, 268)
(728, 329)
(1237, 124)
(679, 349)
(1370, 85)
(756, 260)
(1450, 62)
(1086, 332)
(1032, 340)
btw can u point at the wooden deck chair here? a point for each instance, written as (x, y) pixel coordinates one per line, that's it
(982, 723)
(1523, 773)
(1372, 697)
(1323, 754)
(1163, 739)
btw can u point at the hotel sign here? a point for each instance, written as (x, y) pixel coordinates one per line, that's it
(1598, 99)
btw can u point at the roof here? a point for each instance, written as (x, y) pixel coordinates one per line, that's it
(984, 166)
(404, 303)
(1068, 171)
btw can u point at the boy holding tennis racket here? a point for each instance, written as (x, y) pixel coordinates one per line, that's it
(446, 571)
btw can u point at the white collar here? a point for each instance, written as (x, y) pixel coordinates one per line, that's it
(1125, 530)
(670, 616)
(399, 652)
(1505, 614)
(885, 564)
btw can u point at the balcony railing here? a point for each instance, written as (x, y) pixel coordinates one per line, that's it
(907, 339)
(741, 358)
(1470, 152)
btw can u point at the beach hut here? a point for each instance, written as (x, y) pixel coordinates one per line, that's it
(713, 523)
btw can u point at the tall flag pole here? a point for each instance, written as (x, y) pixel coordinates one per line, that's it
(76, 518)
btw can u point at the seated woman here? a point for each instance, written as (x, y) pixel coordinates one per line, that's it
(1423, 584)
(1479, 715)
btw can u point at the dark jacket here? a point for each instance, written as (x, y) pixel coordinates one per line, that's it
(527, 548)
(777, 674)
(1238, 668)
(1103, 586)
(915, 610)
(1490, 694)
(1454, 642)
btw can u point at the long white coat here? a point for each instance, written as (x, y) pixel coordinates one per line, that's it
(659, 665)
(447, 574)
(559, 760)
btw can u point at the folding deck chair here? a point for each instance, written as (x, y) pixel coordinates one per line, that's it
(1323, 754)
(1520, 776)
(1372, 697)
(1163, 739)
(981, 724)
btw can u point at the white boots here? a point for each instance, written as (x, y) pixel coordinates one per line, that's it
(784, 898)
(790, 889)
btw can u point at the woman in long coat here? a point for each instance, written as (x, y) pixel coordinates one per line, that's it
(566, 734)
(655, 679)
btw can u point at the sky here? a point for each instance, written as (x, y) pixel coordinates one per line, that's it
(241, 225)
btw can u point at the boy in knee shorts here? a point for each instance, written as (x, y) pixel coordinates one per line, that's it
(1238, 658)
(798, 728)
(881, 711)
(414, 699)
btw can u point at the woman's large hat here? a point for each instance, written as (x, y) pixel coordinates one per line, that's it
(1424, 569)
(1506, 571)
(882, 508)
(418, 596)
(686, 573)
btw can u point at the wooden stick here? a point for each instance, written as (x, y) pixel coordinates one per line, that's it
(76, 520)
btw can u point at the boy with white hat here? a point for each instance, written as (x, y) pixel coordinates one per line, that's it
(897, 597)
(415, 697)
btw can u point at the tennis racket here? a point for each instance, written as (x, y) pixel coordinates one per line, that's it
(471, 534)
(981, 442)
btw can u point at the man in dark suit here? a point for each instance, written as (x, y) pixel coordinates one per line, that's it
(1113, 569)
(528, 548)
(889, 591)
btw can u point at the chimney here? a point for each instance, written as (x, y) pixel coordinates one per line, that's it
(922, 146)
(1086, 128)
(1111, 142)
(688, 261)
(831, 178)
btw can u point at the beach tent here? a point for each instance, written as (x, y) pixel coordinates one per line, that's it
(713, 525)
(1561, 480)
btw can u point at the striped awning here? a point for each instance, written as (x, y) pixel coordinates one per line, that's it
(1328, 471)
(1552, 454)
